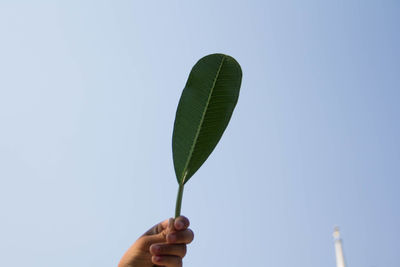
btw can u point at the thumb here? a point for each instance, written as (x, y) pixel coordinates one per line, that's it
(158, 233)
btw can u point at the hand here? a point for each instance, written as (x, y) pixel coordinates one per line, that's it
(164, 244)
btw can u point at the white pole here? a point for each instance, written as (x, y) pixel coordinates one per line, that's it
(338, 248)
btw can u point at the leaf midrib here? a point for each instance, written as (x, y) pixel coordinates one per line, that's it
(184, 173)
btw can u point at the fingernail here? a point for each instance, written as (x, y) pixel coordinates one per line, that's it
(171, 238)
(157, 258)
(156, 248)
(179, 225)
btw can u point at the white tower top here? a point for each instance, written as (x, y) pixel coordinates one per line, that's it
(338, 248)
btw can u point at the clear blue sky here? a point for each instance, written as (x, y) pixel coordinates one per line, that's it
(88, 94)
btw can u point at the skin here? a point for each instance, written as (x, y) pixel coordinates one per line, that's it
(163, 245)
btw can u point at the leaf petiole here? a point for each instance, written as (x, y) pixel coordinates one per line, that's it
(179, 201)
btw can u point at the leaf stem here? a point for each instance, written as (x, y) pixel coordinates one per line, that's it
(179, 201)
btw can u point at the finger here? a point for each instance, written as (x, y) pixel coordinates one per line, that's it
(168, 249)
(181, 223)
(167, 261)
(156, 234)
(184, 237)
(158, 228)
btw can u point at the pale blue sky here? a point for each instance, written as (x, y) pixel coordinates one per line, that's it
(88, 94)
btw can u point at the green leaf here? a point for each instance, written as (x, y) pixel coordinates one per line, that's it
(204, 111)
